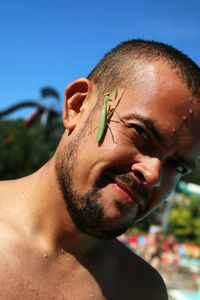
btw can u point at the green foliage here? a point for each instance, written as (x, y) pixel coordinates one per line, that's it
(194, 176)
(184, 220)
(25, 149)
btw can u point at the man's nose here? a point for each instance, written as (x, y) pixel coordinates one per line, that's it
(148, 171)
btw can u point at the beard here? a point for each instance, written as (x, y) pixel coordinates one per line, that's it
(86, 211)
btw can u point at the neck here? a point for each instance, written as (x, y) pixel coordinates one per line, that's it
(43, 213)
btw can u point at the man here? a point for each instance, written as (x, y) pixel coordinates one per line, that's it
(58, 225)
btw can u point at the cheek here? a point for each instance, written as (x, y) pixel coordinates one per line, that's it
(156, 199)
(115, 149)
(159, 195)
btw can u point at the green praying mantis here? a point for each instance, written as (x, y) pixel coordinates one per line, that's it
(107, 111)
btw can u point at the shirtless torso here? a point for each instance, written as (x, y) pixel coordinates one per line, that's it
(107, 270)
(111, 272)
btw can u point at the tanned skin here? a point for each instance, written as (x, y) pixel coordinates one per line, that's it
(44, 254)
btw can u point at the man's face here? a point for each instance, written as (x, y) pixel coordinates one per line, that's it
(152, 140)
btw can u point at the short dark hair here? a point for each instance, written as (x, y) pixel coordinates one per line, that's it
(114, 68)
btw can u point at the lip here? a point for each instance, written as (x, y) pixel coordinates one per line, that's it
(124, 187)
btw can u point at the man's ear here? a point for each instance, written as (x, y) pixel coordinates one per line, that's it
(74, 102)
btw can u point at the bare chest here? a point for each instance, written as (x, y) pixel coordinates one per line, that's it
(26, 279)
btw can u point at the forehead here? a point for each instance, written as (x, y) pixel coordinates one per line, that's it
(161, 96)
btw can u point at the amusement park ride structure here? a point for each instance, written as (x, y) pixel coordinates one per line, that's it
(42, 113)
(40, 109)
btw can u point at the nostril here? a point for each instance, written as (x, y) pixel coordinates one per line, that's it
(140, 176)
(148, 171)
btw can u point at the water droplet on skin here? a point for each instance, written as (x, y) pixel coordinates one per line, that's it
(91, 295)
(184, 117)
(68, 259)
(190, 99)
(45, 255)
(62, 251)
(190, 111)
(174, 129)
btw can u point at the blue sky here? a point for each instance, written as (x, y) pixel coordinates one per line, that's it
(51, 43)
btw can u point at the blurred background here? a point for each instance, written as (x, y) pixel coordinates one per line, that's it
(47, 44)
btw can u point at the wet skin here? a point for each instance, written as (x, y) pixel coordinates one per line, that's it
(43, 254)
(151, 147)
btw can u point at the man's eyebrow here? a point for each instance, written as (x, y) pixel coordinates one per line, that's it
(149, 125)
(190, 164)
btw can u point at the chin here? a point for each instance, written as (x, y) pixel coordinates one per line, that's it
(108, 232)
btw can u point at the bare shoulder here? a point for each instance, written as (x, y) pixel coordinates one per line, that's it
(137, 279)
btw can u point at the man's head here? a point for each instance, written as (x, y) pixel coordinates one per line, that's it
(152, 138)
(122, 64)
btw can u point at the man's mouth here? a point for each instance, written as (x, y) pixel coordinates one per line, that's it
(125, 191)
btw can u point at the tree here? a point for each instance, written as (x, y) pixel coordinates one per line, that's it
(25, 149)
(184, 219)
(194, 176)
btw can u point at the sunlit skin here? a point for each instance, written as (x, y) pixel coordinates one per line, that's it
(148, 146)
(154, 156)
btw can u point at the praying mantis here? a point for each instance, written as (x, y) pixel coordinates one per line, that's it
(107, 112)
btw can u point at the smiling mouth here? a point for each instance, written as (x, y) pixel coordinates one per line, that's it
(126, 192)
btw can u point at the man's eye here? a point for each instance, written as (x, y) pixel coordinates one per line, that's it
(141, 132)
